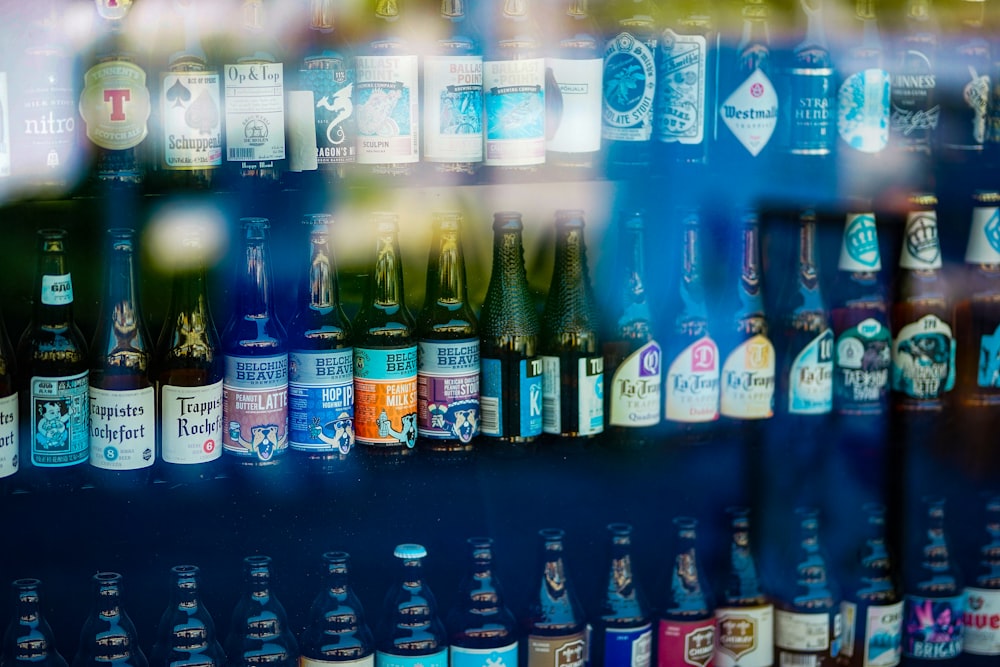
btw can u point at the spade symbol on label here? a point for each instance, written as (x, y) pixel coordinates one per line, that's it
(203, 114)
(178, 94)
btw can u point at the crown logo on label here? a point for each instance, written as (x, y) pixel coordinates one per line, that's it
(862, 240)
(922, 238)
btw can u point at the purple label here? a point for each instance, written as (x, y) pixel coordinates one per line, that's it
(448, 389)
(933, 627)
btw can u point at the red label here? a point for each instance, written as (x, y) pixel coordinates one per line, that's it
(686, 643)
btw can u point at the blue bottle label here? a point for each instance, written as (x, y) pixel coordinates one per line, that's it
(60, 420)
(863, 110)
(502, 656)
(330, 77)
(811, 377)
(255, 406)
(448, 389)
(528, 381)
(385, 386)
(629, 87)
(321, 400)
(387, 109)
(882, 628)
(988, 374)
(515, 112)
(439, 659)
(631, 647)
(812, 99)
(932, 627)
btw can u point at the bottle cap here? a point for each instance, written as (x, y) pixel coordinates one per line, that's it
(859, 249)
(507, 221)
(569, 218)
(984, 234)
(921, 249)
(410, 551)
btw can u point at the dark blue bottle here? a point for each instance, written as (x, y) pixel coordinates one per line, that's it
(410, 633)
(981, 643)
(686, 628)
(186, 636)
(108, 637)
(259, 632)
(623, 632)
(337, 631)
(29, 641)
(555, 625)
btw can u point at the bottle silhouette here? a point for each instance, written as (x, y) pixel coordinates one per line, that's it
(259, 632)
(623, 631)
(554, 624)
(481, 629)
(811, 89)
(189, 372)
(320, 358)
(745, 615)
(409, 630)
(981, 641)
(573, 375)
(448, 348)
(122, 398)
(186, 633)
(963, 85)
(385, 352)
(29, 639)
(934, 604)
(686, 627)
(873, 603)
(255, 350)
(108, 635)
(336, 630)
(511, 376)
(9, 417)
(53, 365)
(913, 121)
(632, 356)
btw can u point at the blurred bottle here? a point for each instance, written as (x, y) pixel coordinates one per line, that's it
(255, 350)
(320, 358)
(981, 642)
(259, 632)
(745, 616)
(915, 112)
(687, 628)
(29, 640)
(186, 633)
(810, 94)
(481, 629)
(623, 632)
(385, 351)
(54, 365)
(409, 630)
(337, 631)
(108, 635)
(923, 349)
(9, 413)
(511, 376)
(448, 348)
(554, 624)
(122, 398)
(934, 604)
(963, 87)
(573, 376)
(873, 603)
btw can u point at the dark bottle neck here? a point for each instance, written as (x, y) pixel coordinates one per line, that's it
(453, 10)
(755, 24)
(26, 602)
(744, 583)
(578, 9)
(337, 584)
(411, 575)
(107, 600)
(446, 284)
(185, 586)
(634, 321)
(874, 558)
(810, 297)
(936, 554)
(257, 576)
(387, 274)
(323, 293)
(749, 286)
(554, 585)
(322, 16)
(570, 309)
(120, 343)
(686, 593)
(53, 306)
(692, 293)
(482, 593)
(620, 579)
(255, 294)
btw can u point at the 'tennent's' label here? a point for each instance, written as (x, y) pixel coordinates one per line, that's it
(503, 656)
(191, 111)
(923, 358)
(686, 642)
(387, 110)
(367, 661)
(810, 382)
(255, 406)
(681, 60)
(751, 112)
(578, 129)
(589, 384)
(331, 80)
(526, 384)
(515, 112)
(385, 396)
(448, 389)
(8, 435)
(933, 627)
(122, 428)
(982, 621)
(191, 423)
(863, 110)
(321, 400)
(255, 112)
(693, 383)
(882, 641)
(115, 104)
(57, 290)
(632, 647)
(564, 651)
(748, 380)
(438, 659)
(862, 360)
(744, 636)
(635, 388)
(629, 88)
(59, 409)
(453, 109)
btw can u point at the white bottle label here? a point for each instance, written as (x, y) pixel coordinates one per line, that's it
(191, 423)
(502, 656)
(191, 111)
(8, 435)
(745, 636)
(579, 125)
(515, 112)
(748, 380)
(982, 621)
(801, 632)
(751, 112)
(368, 661)
(255, 112)
(57, 290)
(859, 247)
(453, 108)
(635, 388)
(629, 87)
(683, 61)
(984, 237)
(863, 110)
(810, 382)
(921, 249)
(122, 428)
(387, 109)
(693, 383)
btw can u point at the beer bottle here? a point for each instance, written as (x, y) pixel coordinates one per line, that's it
(981, 643)
(122, 398)
(453, 96)
(963, 87)
(623, 632)
(259, 632)
(873, 603)
(923, 350)
(934, 604)
(409, 629)
(337, 631)
(686, 632)
(9, 417)
(54, 365)
(108, 634)
(189, 372)
(807, 617)
(632, 394)
(29, 639)
(186, 633)
(320, 357)
(913, 120)
(573, 375)
(255, 353)
(811, 92)
(511, 373)
(554, 623)
(745, 617)
(385, 352)
(448, 348)
(629, 87)
(481, 629)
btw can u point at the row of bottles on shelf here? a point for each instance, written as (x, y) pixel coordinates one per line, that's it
(878, 612)
(627, 90)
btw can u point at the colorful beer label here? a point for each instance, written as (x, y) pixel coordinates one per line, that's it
(862, 360)
(255, 112)
(564, 651)
(59, 409)
(122, 428)
(332, 84)
(448, 389)
(191, 113)
(255, 406)
(923, 358)
(453, 109)
(503, 656)
(933, 627)
(191, 423)
(751, 112)
(321, 400)
(528, 383)
(635, 388)
(629, 646)
(367, 661)
(578, 126)
(811, 106)
(807, 633)
(686, 642)
(810, 379)
(859, 251)
(982, 621)
(589, 384)
(438, 659)
(115, 104)
(9, 420)
(882, 638)
(57, 290)
(385, 396)
(515, 112)
(863, 105)
(748, 380)
(693, 383)
(629, 88)
(988, 371)
(744, 636)
(386, 107)
(681, 115)
(921, 249)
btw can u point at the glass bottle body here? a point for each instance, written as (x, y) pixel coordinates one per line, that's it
(186, 633)
(29, 639)
(337, 631)
(554, 624)
(623, 633)
(259, 632)
(108, 635)
(409, 626)
(686, 628)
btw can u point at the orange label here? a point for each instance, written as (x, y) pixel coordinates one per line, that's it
(385, 396)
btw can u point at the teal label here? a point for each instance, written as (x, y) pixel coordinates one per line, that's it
(923, 359)
(629, 87)
(385, 396)
(448, 389)
(863, 110)
(811, 105)
(60, 420)
(439, 659)
(321, 400)
(503, 656)
(989, 360)
(515, 111)
(330, 77)
(810, 382)
(862, 360)
(526, 385)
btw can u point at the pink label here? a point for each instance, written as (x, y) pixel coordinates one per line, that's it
(686, 643)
